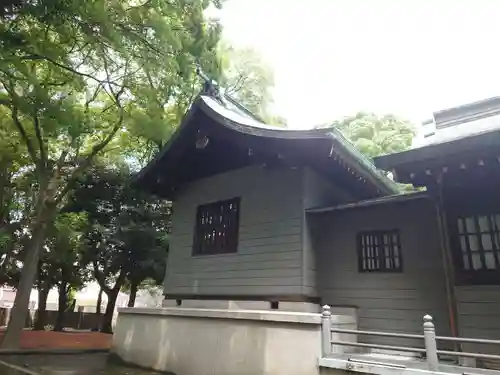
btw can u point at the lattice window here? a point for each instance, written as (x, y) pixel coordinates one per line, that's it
(379, 251)
(479, 242)
(216, 230)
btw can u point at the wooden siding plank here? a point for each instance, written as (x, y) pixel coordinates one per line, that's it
(181, 280)
(242, 274)
(270, 253)
(244, 290)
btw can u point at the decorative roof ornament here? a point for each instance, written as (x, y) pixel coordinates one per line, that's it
(210, 87)
(213, 90)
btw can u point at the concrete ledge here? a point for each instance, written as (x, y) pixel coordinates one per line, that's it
(395, 367)
(272, 316)
(305, 307)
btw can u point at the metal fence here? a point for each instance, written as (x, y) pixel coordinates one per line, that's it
(429, 338)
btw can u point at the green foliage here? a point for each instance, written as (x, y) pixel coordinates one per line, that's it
(74, 73)
(376, 135)
(247, 79)
(62, 260)
(81, 80)
(126, 241)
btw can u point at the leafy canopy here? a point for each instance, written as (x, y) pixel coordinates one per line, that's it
(249, 80)
(81, 80)
(375, 135)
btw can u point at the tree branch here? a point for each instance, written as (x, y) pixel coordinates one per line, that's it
(38, 133)
(100, 278)
(119, 281)
(88, 160)
(24, 135)
(67, 68)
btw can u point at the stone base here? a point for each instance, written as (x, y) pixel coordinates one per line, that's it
(195, 341)
(242, 305)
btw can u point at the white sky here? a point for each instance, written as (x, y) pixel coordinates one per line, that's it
(332, 58)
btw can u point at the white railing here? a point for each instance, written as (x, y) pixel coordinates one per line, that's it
(428, 337)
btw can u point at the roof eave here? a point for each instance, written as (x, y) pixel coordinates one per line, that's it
(364, 166)
(470, 143)
(398, 198)
(249, 126)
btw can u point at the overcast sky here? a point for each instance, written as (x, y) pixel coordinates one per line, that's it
(332, 58)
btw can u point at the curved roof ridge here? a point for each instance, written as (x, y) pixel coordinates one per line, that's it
(251, 126)
(239, 122)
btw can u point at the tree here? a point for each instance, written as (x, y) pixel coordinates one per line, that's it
(150, 294)
(376, 135)
(46, 279)
(61, 265)
(73, 76)
(127, 233)
(247, 79)
(67, 258)
(149, 244)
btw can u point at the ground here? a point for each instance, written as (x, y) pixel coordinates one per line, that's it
(64, 340)
(67, 364)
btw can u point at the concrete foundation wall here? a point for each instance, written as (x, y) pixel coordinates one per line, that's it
(221, 342)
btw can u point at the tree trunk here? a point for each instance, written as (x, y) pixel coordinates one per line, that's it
(62, 306)
(98, 311)
(20, 310)
(98, 308)
(107, 319)
(41, 313)
(133, 294)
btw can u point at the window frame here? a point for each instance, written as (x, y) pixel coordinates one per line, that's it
(470, 276)
(197, 248)
(362, 250)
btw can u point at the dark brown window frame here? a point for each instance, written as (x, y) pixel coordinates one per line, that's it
(372, 256)
(224, 231)
(460, 241)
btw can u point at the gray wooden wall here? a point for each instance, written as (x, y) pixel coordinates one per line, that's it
(275, 255)
(269, 258)
(386, 302)
(479, 315)
(318, 192)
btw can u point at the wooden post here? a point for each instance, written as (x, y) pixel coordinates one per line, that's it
(430, 343)
(326, 331)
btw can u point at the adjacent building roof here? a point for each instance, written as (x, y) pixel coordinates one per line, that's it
(472, 142)
(215, 137)
(462, 121)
